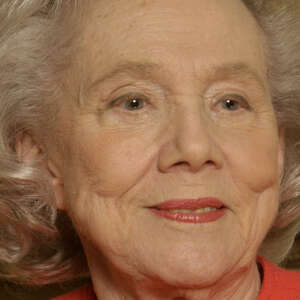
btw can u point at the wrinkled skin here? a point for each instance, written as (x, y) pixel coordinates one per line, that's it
(180, 61)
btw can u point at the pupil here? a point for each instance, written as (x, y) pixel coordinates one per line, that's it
(230, 104)
(134, 104)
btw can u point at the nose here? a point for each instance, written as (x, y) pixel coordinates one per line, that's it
(190, 144)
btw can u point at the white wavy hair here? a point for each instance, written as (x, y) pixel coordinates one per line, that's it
(38, 41)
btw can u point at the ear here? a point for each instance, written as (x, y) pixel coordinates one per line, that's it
(29, 151)
(57, 184)
(26, 149)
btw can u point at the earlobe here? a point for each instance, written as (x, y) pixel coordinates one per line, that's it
(58, 185)
(28, 151)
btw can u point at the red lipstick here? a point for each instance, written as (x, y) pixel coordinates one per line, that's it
(202, 210)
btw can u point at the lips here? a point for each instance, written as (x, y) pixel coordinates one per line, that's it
(197, 211)
(191, 204)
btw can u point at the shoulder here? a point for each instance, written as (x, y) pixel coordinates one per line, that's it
(83, 293)
(279, 283)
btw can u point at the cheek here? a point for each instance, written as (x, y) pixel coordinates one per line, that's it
(254, 161)
(110, 163)
(255, 173)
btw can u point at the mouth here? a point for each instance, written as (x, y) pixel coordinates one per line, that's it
(196, 211)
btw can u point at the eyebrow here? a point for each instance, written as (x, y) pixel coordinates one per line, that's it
(239, 69)
(214, 73)
(134, 69)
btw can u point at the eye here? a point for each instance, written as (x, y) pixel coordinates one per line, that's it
(134, 104)
(130, 102)
(230, 104)
(234, 103)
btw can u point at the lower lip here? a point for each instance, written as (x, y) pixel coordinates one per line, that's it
(200, 218)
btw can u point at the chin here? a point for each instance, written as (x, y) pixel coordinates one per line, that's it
(190, 271)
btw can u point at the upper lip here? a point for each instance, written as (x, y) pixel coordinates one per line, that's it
(191, 204)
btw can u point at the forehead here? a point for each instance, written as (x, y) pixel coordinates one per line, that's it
(174, 34)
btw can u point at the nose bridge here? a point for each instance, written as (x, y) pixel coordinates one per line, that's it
(192, 133)
(190, 141)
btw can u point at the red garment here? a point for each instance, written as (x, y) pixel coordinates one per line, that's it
(278, 284)
(83, 293)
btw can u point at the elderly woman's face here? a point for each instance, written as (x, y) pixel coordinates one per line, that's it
(175, 116)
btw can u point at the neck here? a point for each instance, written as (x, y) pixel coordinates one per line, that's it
(113, 285)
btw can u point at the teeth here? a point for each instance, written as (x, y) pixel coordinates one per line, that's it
(195, 211)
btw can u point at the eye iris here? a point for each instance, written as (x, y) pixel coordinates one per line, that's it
(134, 104)
(230, 104)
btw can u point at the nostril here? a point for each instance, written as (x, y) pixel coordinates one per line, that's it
(180, 163)
(187, 165)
